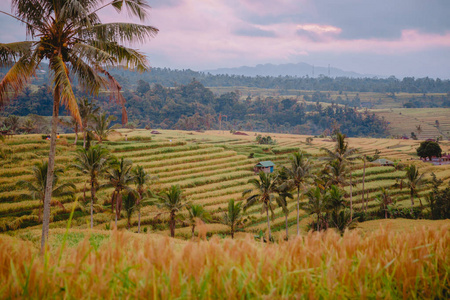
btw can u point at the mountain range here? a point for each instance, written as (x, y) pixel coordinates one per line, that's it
(299, 70)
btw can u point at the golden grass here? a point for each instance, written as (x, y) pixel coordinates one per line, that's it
(383, 264)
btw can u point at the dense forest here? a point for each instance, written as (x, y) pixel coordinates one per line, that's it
(180, 99)
(168, 77)
(171, 78)
(195, 107)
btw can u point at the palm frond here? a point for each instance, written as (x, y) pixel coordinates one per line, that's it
(17, 78)
(122, 32)
(10, 52)
(64, 87)
(88, 79)
(123, 56)
(136, 8)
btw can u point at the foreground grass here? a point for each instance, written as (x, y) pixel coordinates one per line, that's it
(380, 264)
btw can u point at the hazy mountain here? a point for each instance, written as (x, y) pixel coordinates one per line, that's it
(300, 70)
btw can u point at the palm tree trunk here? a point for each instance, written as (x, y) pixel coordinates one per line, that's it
(412, 202)
(115, 218)
(92, 203)
(268, 224)
(364, 179)
(193, 230)
(139, 221)
(76, 134)
(351, 197)
(232, 232)
(84, 136)
(298, 210)
(287, 228)
(117, 207)
(172, 224)
(385, 211)
(51, 166)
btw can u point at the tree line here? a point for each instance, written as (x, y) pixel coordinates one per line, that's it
(171, 78)
(195, 107)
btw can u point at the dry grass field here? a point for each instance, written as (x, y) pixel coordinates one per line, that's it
(403, 121)
(382, 264)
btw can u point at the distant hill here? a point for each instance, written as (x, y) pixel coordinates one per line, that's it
(299, 70)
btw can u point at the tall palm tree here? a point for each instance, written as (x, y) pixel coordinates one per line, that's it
(299, 172)
(173, 201)
(233, 216)
(119, 176)
(413, 181)
(264, 192)
(197, 212)
(283, 187)
(36, 187)
(102, 126)
(364, 158)
(87, 111)
(141, 178)
(94, 163)
(69, 35)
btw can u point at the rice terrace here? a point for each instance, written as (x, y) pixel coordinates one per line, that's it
(118, 180)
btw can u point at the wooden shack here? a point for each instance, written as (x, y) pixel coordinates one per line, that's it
(265, 166)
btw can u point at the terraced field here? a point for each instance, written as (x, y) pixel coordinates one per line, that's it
(210, 167)
(403, 121)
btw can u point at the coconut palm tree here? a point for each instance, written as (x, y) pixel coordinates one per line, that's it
(119, 176)
(69, 35)
(87, 111)
(341, 152)
(197, 212)
(413, 181)
(335, 173)
(173, 201)
(364, 158)
(299, 172)
(129, 199)
(102, 126)
(233, 216)
(283, 187)
(141, 178)
(94, 163)
(385, 200)
(263, 191)
(316, 205)
(335, 198)
(36, 187)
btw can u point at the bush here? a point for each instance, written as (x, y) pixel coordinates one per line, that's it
(265, 140)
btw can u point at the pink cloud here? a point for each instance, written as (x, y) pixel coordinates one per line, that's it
(201, 34)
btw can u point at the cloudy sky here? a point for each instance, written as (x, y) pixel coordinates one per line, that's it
(384, 37)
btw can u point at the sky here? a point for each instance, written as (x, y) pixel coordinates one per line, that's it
(381, 37)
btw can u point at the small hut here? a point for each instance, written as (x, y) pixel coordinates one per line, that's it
(383, 162)
(265, 166)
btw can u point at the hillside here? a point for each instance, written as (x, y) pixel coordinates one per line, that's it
(211, 167)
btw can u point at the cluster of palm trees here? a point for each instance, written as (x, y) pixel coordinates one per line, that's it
(96, 162)
(325, 197)
(94, 123)
(323, 189)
